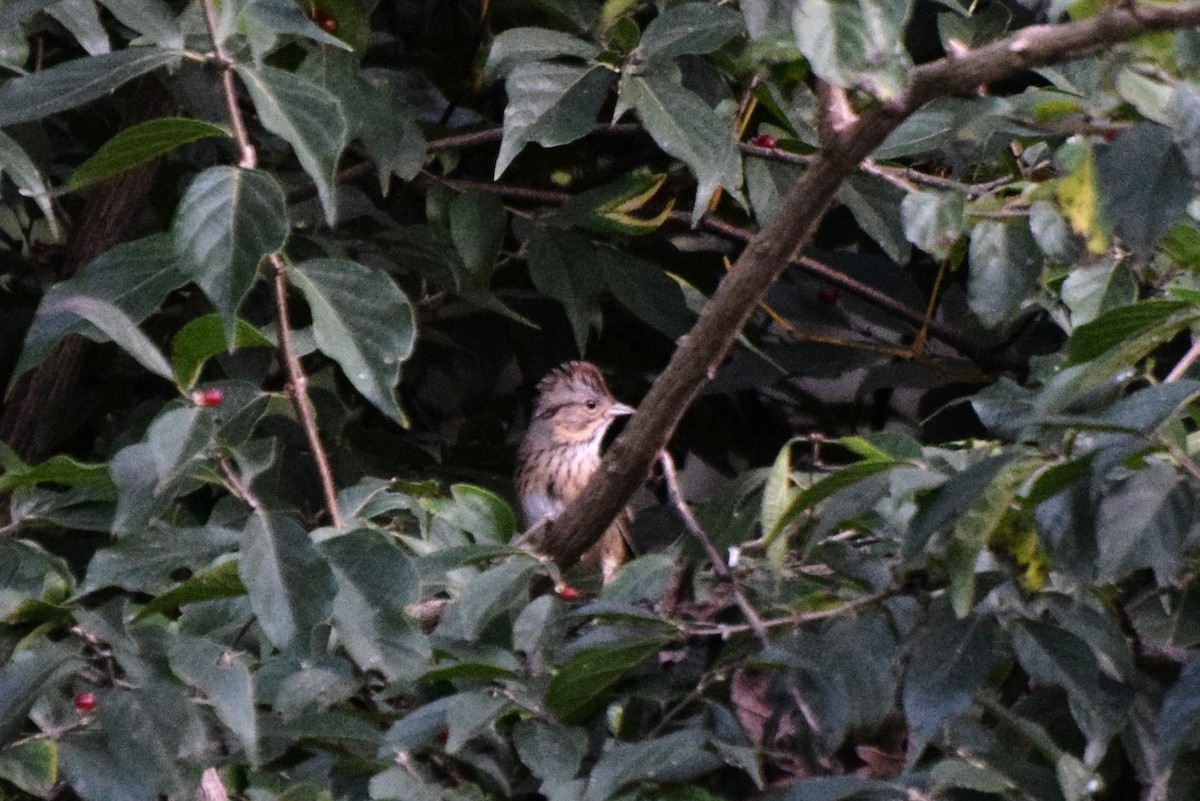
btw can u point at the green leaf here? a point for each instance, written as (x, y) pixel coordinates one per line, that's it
(376, 580)
(517, 46)
(478, 224)
(827, 486)
(1178, 721)
(488, 595)
(1090, 290)
(138, 145)
(1005, 265)
(1145, 521)
(22, 678)
(934, 221)
(31, 766)
(566, 267)
(216, 582)
(134, 277)
(950, 501)
(58, 469)
(584, 683)
(203, 338)
(1145, 324)
(1052, 655)
(148, 560)
(82, 19)
(362, 321)
(1144, 186)
(688, 29)
(856, 43)
(309, 118)
(552, 752)
(876, 206)
(469, 713)
(265, 22)
(951, 659)
(641, 287)
(226, 223)
(40, 94)
(387, 129)
(479, 512)
(686, 128)
(114, 323)
(223, 677)
(550, 104)
(291, 587)
(676, 757)
(611, 208)
(151, 18)
(777, 492)
(24, 173)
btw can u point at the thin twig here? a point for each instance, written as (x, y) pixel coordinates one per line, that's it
(297, 380)
(238, 486)
(724, 630)
(298, 391)
(1183, 364)
(675, 494)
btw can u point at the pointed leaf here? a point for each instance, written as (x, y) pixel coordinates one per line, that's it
(225, 681)
(362, 321)
(40, 94)
(856, 43)
(309, 118)
(226, 223)
(550, 104)
(687, 128)
(203, 338)
(117, 326)
(291, 587)
(138, 145)
(688, 29)
(584, 682)
(25, 174)
(517, 46)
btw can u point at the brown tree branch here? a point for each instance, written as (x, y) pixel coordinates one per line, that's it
(703, 349)
(297, 385)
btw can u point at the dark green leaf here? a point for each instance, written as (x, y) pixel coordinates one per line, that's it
(688, 129)
(855, 43)
(24, 173)
(138, 145)
(225, 680)
(133, 277)
(22, 679)
(291, 587)
(584, 683)
(220, 581)
(934, 221)
(517, 46)
(686, 29)
(309, 118)
(39, 94)
(362, 321)
(951, 659)
(203, 338)
(1153, 321)
(487, 596)
(1144, 186)
(676, 757)
(1178, 722)
(227, 222)
(550, 104)
(1005, 264)
(567, 268)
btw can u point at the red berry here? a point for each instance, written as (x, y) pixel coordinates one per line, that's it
(325, 22)
(208, 398)
(764, 140)
(85, 702)
(567, 592)
(828, 295)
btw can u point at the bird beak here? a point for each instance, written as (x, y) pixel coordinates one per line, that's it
(620, 410)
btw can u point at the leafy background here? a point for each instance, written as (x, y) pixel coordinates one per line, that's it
(940, 520)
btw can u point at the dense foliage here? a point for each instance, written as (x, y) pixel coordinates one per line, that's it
(255, 253)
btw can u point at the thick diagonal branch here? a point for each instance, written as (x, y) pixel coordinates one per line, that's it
(703, 349)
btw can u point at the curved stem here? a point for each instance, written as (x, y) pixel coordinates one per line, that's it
(297, 385)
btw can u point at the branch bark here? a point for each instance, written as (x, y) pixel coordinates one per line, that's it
(765, 256)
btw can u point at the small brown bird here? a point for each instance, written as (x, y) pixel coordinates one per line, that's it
(561, 451)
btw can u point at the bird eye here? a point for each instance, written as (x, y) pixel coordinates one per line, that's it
(591, 404)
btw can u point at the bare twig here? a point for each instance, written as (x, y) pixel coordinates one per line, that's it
(705, 347)
(724, 630)
(1183, 364)
(237, 485)
(297, 380)
(719, 565)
